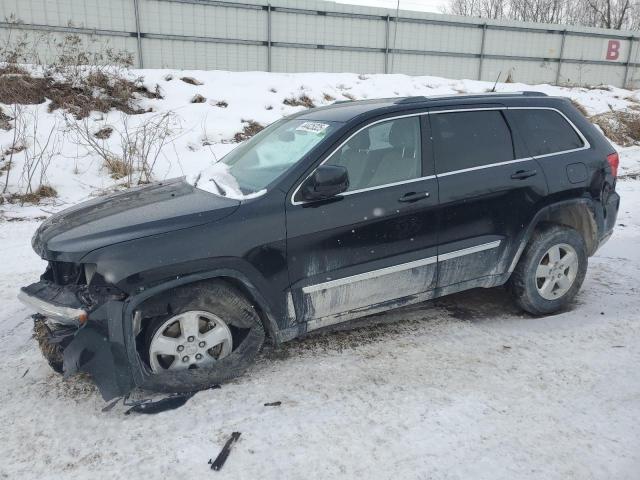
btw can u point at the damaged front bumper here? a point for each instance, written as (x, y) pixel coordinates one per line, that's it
(48, 308)
(94, 341)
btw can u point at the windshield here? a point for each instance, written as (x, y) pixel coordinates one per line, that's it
(261, 159)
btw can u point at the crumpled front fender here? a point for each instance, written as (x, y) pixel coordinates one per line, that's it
(98, 349)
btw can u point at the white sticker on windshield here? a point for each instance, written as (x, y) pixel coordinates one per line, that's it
(313, 127)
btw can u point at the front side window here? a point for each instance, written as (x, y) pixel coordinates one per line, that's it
(381, 154)
(545, 131)
(470, 139)
(260, 160)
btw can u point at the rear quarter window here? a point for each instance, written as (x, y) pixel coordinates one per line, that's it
(545, 131)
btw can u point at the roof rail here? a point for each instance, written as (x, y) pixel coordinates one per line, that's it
(416, 99)
(420, 98)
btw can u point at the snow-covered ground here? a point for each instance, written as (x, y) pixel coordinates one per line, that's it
(465, 387)
(201, 133)
(461, 388)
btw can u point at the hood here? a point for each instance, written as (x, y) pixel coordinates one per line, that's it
(138, 212)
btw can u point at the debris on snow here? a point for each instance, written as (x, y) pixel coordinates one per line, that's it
(158, 406)
(224, 453)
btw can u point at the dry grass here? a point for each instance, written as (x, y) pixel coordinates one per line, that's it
(14, 149)
(22, 89)
(328, 98)
(197, 98)
(42, 192)
(349, 96)
(4, 121)
(580, 107)
(117, 168)
(12, 69)
(251, 128)
(97, 91)
(222, 104)
(621, 127)
(300, 101)
(103, 133)
(191, 81)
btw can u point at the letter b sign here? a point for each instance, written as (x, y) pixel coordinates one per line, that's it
(613, 50)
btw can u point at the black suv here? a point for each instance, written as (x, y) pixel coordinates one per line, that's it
(324, 216)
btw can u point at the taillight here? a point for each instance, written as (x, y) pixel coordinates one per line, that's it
(614, 161)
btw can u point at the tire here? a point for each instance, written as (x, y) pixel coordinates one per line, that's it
(215, 300)
(52, 352)
(531, 287)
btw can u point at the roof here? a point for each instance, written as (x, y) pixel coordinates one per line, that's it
(349, 110)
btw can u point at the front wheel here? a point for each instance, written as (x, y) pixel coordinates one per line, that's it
(550, 271)
(212, 333)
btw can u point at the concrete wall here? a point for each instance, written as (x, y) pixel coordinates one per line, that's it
(320, 36)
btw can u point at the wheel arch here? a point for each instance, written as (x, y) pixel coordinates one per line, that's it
(234, 278)
(578, 214)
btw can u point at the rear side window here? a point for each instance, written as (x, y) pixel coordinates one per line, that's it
(470, 139)
(545, 131)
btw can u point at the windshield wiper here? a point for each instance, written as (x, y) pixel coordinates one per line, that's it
(222, 191)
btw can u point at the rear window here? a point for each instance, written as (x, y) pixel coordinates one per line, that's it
(470, 139)
(545, 131)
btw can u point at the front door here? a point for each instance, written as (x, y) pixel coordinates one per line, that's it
(375, 243)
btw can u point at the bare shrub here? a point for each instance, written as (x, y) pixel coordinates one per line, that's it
(17, 144)
(250, 129)
(40, 147)
(300, 101)
(135, 153)
(222, 104)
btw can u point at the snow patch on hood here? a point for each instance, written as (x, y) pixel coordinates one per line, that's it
(217, 179)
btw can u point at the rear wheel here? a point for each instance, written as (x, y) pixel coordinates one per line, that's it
(211, 334)
(550, 271)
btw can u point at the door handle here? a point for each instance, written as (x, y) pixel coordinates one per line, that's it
(522, 174)
(414, 196)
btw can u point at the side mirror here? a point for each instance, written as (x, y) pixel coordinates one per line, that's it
(325, 182)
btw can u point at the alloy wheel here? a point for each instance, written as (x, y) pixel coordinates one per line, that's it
(556, 271)
(192, 339)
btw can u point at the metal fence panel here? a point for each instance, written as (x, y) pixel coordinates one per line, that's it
(312, 35)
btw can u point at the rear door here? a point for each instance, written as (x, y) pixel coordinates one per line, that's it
(375, 243)
(489, 188)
